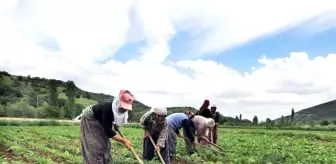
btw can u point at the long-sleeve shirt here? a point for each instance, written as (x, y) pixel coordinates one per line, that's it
(180, 120)
(103, 113)
(149, 123)
(205, 113)
(200, 125)
(215, 116)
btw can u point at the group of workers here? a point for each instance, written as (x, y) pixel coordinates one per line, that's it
(97, 122)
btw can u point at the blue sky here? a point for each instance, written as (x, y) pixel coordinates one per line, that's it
(246, 56)
(49, 39)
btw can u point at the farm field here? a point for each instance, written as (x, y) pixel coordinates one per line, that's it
(61, 144)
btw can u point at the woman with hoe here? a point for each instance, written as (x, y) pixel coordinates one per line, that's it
(156, 132)
(96, 128)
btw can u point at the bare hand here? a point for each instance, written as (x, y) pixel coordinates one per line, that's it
(147, 134)
(157, 148)
(204, 139)
(127, 143)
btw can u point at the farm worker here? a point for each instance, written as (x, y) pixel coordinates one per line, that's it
(96, 127)
(204, 110)
(215, 116)
(202, 126)
(176, 121)
(155, 124)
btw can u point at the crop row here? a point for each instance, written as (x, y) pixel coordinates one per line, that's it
(61, 144)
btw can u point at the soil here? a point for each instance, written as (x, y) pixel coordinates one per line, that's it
(10, 156)
(180, 161)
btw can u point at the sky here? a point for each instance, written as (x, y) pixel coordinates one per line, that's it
(258, 58)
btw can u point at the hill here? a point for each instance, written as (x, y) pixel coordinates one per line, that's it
(34, 97)
(317, 113)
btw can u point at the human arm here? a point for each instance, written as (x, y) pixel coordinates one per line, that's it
(188, 129)
(144, 120)
(163, 136)
(177, 132)
(107, 122)
(124, 141)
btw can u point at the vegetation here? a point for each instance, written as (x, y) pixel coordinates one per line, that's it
(318, 113)
(34, 97)
(45, 144)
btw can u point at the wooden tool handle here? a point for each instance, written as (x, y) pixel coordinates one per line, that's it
(132, 150)
(158, 153)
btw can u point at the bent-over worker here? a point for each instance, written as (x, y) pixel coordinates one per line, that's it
(96, 128)
(155, 124)
(176, 121)
(202, 126)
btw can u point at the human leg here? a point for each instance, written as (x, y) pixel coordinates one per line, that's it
(172, 142)
(188, 144)
(94, 142)
(148, 149)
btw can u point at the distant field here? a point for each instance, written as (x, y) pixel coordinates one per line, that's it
(45, 144)
(32, 119)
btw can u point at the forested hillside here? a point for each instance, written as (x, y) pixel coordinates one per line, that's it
(25, 96)
(325, 112)
(34, 97)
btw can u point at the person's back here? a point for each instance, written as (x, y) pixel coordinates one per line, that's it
(175, 120)
(199, 122)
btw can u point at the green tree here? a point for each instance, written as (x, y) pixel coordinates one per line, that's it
(87, 95)
(53, 93)
(130, 115)
(324, 123)
(255, 120)
(71, 95)
(33, 99)
(282, 120)
(269, 122)
(240, 117)
(292, 115)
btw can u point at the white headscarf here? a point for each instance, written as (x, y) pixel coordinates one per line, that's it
(210, 122)
(160, 110)
(119, 118)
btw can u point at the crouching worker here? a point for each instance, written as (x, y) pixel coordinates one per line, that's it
(156, 126)
(96, 128)
(176, 121)
(202, 126)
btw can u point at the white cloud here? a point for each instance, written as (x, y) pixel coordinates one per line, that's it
(80, 33)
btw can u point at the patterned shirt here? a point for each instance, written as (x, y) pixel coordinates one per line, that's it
(161, 128)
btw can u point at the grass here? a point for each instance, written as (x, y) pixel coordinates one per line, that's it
(61, 144)
(85, 102)
(7, 81)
